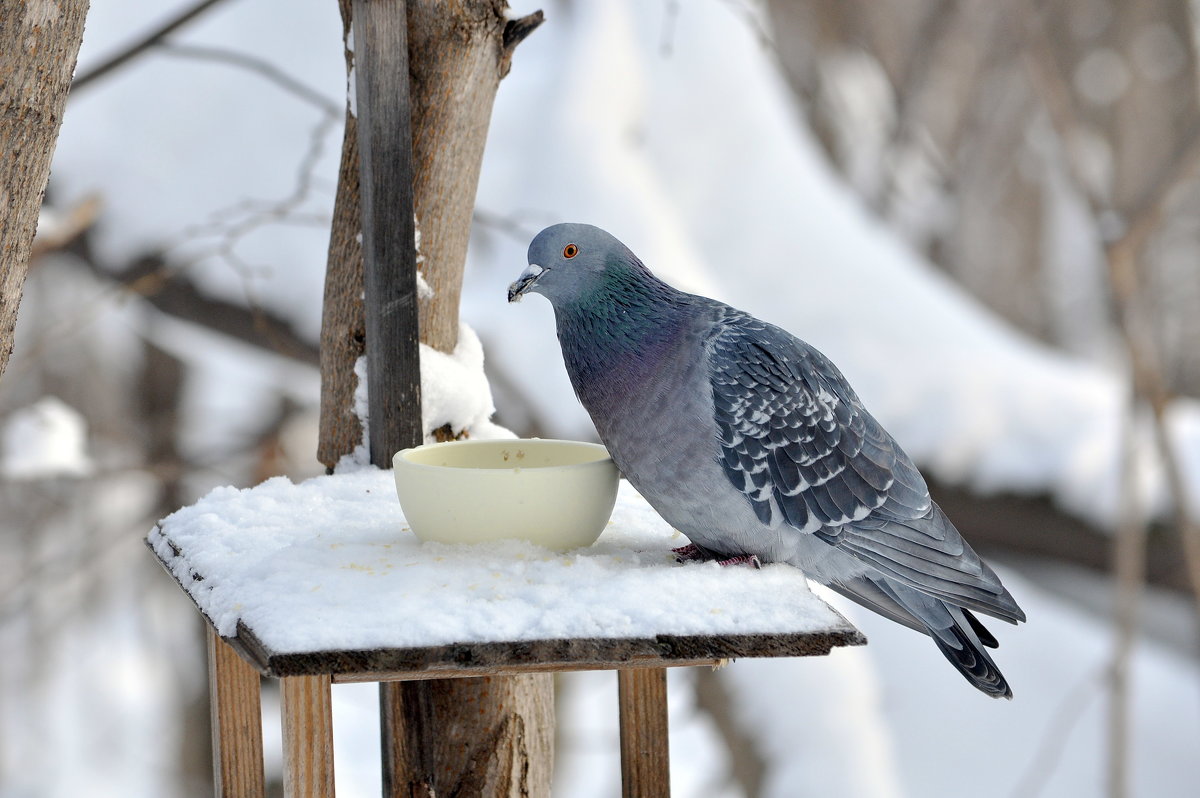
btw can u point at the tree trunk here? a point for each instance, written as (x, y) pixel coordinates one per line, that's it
(458, 54)
(39, 43)
(490, 736)
(343, 318)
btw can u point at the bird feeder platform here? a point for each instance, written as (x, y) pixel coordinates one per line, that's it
(321, 582)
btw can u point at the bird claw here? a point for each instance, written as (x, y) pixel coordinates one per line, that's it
(743, 559)
(693, 552)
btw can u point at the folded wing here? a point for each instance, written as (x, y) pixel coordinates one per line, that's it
(797, 442)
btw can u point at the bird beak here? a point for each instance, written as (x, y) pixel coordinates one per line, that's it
(523, 283)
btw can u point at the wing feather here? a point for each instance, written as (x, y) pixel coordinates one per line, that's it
(780, 403)
(796, 440)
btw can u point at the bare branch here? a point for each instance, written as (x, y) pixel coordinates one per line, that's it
(1149, 382)
(507, 224)
(138, 47)
(1054, 738)
(1057, 99)
(1146, 213)
(151, 278)
(258, 66)
(74, 223)
(1185, 519)
(253, 325)
(1122, 253)
(232, 224)
(1130, 571)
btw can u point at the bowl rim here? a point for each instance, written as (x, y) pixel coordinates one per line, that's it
(400, 460)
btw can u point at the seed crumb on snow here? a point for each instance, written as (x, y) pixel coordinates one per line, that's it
(264, 552)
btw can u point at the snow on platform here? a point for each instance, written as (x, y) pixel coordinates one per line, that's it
(329, 567)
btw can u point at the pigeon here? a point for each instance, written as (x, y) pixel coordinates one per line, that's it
(751, 443)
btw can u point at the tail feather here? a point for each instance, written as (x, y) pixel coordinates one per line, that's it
(981, 631)
(958, 634)
(973, 662)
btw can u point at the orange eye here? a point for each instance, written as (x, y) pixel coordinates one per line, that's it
(570, 251)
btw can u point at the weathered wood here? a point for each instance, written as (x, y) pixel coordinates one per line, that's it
(522, 670)
(39, 44)
(531, 656)
(307, 737)
(645, 754)
(430, 720)
(389, 255)
(490, 736)
(235, 703)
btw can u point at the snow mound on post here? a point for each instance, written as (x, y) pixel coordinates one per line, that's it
(455, 390)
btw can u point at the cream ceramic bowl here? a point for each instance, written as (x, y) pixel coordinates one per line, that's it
(558, 494)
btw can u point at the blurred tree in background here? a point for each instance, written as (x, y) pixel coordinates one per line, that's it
(1012, 143)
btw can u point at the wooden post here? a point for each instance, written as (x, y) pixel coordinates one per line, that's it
(645, 755)
(307, 737)
(389, 253)
(236, 707)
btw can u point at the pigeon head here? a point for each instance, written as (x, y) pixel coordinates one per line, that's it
(569, 261)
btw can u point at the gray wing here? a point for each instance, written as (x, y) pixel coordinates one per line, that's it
(796, 440)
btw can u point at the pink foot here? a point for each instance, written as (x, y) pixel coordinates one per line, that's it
(689, 552)
(744, 559)
(693, 552)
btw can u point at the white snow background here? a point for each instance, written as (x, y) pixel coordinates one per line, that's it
(697, 159)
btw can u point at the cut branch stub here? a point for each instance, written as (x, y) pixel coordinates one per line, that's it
(515, 32)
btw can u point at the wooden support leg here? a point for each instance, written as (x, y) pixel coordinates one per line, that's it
(645, 760)
(307, 737)
(235, 703)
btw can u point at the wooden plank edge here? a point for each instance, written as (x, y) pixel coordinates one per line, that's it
(539, 656)
(511, 658)
(549, 667)
(245, 643)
